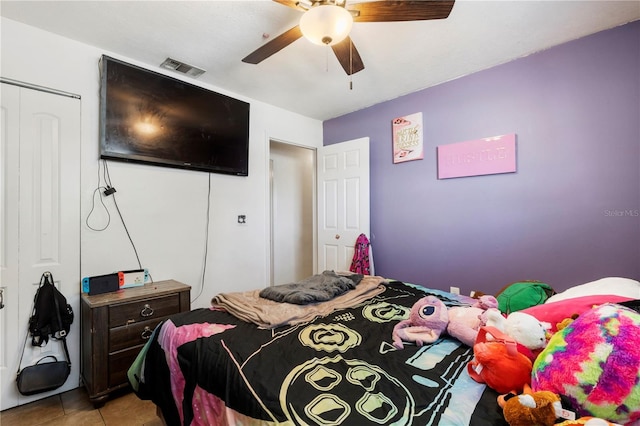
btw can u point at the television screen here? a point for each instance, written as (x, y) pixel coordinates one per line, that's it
(148, 117)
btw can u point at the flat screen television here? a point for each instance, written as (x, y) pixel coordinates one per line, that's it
(148, 117)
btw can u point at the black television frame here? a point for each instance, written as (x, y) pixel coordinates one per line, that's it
(111, 148)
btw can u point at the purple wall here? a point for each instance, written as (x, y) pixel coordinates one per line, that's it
(569, 215)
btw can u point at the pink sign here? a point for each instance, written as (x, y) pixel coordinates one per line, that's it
(486, 156)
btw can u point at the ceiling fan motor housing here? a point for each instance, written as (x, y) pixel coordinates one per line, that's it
(326, 24)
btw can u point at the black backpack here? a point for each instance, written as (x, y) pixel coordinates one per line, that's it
(52, 315)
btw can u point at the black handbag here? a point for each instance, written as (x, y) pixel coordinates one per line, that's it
(45, 376)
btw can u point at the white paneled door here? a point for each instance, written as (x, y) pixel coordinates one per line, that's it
(343, 202)
(40, 223)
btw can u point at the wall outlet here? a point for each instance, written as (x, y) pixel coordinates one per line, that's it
(454, 290)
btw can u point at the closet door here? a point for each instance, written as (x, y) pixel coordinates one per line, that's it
(40, 224)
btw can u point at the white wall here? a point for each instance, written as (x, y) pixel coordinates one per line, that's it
(164, 209)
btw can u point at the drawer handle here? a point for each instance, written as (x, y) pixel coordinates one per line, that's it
(146, 311)
(146, 333)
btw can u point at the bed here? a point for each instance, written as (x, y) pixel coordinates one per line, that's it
(208, 367)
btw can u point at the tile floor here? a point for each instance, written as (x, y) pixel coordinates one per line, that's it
(74, 408)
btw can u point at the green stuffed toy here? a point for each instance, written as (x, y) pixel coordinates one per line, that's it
(522, 295)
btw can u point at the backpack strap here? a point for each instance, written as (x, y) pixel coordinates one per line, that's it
(35, 339)
(33, 311)
(62, 333)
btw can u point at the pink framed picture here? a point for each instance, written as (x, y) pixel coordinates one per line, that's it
(407, 138)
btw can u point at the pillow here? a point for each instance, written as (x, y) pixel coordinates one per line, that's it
(555, 312)
(595, 363)
(611, 285)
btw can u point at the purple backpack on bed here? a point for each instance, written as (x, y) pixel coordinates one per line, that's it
(360, 263)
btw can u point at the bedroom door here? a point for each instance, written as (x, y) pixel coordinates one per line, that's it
(40, 225)
(343, 202)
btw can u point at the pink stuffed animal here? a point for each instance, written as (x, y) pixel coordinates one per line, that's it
(427, 320)
(465, 321)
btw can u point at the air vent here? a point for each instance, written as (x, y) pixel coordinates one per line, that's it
(181, 67)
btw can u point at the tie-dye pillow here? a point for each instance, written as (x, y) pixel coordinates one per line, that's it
(595, 362)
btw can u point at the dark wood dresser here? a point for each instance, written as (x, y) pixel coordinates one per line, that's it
(115, 326)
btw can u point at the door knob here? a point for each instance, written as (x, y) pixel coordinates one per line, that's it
(337, 236)
(1, 298)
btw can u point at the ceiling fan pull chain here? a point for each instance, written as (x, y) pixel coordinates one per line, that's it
(350, 64)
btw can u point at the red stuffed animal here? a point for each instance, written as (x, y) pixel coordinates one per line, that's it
(498, 362)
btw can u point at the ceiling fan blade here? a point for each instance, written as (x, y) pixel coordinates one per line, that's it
(348, 56)
(273, 46)
(394, 11)
(290, 3)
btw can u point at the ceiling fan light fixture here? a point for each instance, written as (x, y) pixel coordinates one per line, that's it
(326, 24)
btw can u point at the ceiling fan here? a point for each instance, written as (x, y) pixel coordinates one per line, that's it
(328, 22)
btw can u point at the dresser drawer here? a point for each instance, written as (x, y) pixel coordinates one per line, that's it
(131, 335)
(143, 310)
(119, 363)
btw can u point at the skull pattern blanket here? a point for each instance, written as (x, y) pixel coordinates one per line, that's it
(207, 367)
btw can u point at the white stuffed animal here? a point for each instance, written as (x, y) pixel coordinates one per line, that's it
(523, 328)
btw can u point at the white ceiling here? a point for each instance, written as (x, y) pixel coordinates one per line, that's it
(399, 58)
